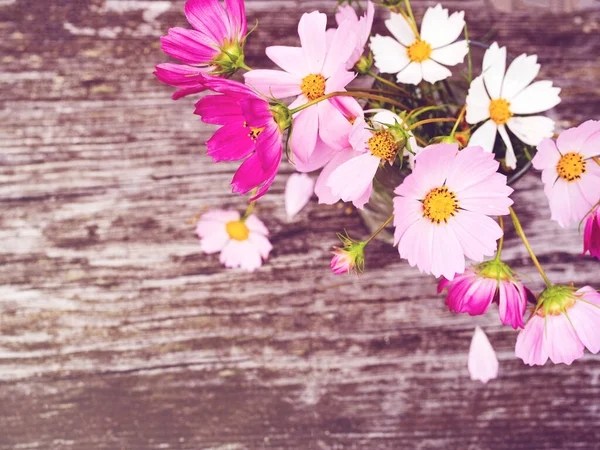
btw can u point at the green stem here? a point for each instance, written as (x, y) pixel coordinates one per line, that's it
(501, 242)
(595, 158)
(521, 233)
(355, 94)
(434, 120)
(251, 206)
(380, 229)
(242, 65)
(386, 82)
(412, 17)
(460, 116)
(469, 61)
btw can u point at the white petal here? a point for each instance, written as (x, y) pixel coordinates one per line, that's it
(298, 191)
(478, 102)
(433, 72)
(538, 97)
(451, 55)
(386, 118)
(483, 362)
(411, 74)
(494, 64)
(438, 29)
(485, 136)
(389, 55)
(521, 72)
(531, 130)
(509, 159)
(400, 29)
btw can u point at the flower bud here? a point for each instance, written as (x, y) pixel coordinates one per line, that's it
(364, 64)
(350, 258)
(282, 116)
(229, 60)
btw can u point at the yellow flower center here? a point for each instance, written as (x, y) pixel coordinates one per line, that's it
(313, 86)
(571, 166)
(419, 51)
(254, 132)
(500, 111)
(383, 145)
(237, 230)
(439, 205)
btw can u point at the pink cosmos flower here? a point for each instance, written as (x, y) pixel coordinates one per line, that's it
(341, 262)
(566, 322)
(571, 177)
(242, 242)
(591, 236)
(442, 210)
(362, 26)
(298, 191)
(474, 291)
(215, 45)
(350, 258)
(250, 132)
(483, 362)
(310, 72)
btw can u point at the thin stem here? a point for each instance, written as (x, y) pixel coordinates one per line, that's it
(380, 229)
(426, 121)
(387, 82)
(521, 233)
(501, 242)
(371, 91)
(354, 94)
(595, 158)
(469, 61)
(251, 206)
(460, 116)
(412, 16)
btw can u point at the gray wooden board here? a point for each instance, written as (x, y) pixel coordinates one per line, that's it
(117, 333)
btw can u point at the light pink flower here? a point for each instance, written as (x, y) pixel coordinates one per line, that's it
(249, 132)
(566, 322)
(309, 72)
(215, 45)
(361, 25)
(483, 362)
(341, 262)
(298, 191)
(474, 291)
(591, 236)
(242, 243)
(442, 210)
(571, 177)
(350, 258)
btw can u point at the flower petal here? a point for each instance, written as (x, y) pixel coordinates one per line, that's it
(400, 29)
(521, 72)
(530, 343)
(478, 102)
(573, 139)
(304, 133)
(535, 98)
(290, 59)
(483, 362)
(452, 54)
(434, 72)
(531, 129)
(510, 158)
(561, 342)
(547, 155)
(485, 136)
(298, 191)
(311, 30)
(352, 178)
(494, 64)
(585, 318)
(411, 74)
(273, 83)
(438, 29)
(342, 46)
(389, 55)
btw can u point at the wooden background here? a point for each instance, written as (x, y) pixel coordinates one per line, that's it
(116, 333)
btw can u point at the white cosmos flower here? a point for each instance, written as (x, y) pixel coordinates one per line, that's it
(510, 99)
(415, 58)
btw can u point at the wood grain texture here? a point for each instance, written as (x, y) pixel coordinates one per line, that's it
(116, 333)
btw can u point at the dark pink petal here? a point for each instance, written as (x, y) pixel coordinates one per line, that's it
(512, 303)
(256, 112)
(209, 18)
(230, 143)
(190, 79)
(219, 109)
(189, 46)
(237, 17)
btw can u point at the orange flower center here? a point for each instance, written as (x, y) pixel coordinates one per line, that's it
(237, 230)
(254, 132)
(500, 111)
(571, 166)
(383, 145)
(313, 86)
(419, 51)
(439, 205)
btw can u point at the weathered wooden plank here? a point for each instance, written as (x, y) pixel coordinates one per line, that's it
(116, 333)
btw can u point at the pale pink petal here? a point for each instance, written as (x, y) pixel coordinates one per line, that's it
(573, 139)
(585, 318)
(274, 83)
(591, 146)
(547, 155)
(342, 46)
(521, 72)
(447, 256)
(214, 242)
(488, 197)
(333, 126)
(298, 191)
(352, 178)
(530, 343)
(411, 246)
(567, 204)
(561, 342)
(311, 30)
(362, 200)
(304, 133)
(478, 102)
(471, 167)
(494, 64)
(485, 136)
(261, 243)
(256, 225)
(345, 12)
(290, 59)
(440, 30)
(338, 80)
(476, 233)
(406, 212)
(322, 191)
(411, 74)
(589, 185)
(320, 156)
(242, 254)
(483, 363)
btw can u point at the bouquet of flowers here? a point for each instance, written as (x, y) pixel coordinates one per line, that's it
(434, 155)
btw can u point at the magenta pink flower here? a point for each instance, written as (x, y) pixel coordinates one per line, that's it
(474, 291)
(350, 258)
(566, 322)
(214, 46)
(242, 242)
(442, 210)
(250, 131)
(571, 177)
(362, 26)
(309, 72)
(341, 262)
(591, 236)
